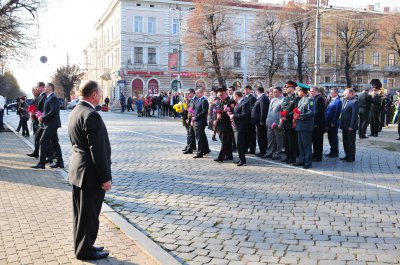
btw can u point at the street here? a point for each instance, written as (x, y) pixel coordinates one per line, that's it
(266, 212)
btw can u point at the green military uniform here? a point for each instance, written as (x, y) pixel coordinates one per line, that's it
(290, 139)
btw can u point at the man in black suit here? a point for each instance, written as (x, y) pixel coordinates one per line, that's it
(364, 100)
(319, 123)
(200, 123)
(89, 170)
(259, 115)
(51, 122)
(251, 128)
(191, 137)
(39, 104)
(240, 123)
(375, 106)
(349, 124)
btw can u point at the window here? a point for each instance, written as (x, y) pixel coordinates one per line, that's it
(390, 83)
(328, 31)
(375, 59)
(342, 79)
(175, 27)
(342, 59)
(279, 59)
(151, 25)
(290, 61)
(359, 80)
(138, 54)
(238, 29)
(328, 56)
(327, 79)
(237, 59)
(152, 56)
(391, 59)
(138, 24)
(360, 57)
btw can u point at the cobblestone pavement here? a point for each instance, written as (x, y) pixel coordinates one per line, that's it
(36, 215)
(264, 213)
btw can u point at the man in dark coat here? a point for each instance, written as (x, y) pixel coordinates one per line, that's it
(191, 137)
(364, 100)
(259, 115)
(319, 124)
(349, 124)
(51, 122)
(332, 115)
(122, 101)
(375, 106)
(200, 123)
(251, 128)
(89, 170)
(240, 123)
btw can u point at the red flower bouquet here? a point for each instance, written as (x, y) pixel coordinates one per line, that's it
(283, 113)
(296, 113)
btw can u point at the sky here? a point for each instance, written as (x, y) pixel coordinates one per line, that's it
(67, 27)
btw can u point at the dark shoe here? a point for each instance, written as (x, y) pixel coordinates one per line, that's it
(344, 158)
(56, 165)
(333, 155)
(39, 165)
(198, 156)
(398, 139)
(307, 167)
(241, 163)
(236, 162)
(228, 158)
(267, 156)
(298, 164)
(260, 154)
(251, 152)
(375, 135)
(284, 160)
(317, 159)
(98, 248)
(276, 157)
(188, 152)
(96, 255)
(206, 153)
(350, 159)
(291, 161)
(183, 150)
(33, 155)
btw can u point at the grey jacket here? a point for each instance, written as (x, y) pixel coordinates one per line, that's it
(274, 108)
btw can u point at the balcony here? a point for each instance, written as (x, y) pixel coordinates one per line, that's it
(363, 67)
(392, 68)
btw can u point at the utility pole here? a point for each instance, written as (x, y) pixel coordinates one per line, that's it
(179, 88)
(317, 54)
(245, 72)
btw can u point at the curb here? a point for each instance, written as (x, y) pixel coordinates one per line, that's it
(148, 246)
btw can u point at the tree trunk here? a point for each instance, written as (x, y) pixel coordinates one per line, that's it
(300, 70)
(347, 73)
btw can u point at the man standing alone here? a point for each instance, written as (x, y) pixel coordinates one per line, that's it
(89, 170)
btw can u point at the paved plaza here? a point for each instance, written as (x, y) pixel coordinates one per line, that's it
(204, 212)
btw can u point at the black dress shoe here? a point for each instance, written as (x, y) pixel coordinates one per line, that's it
(344, 158)
(251, 152)
(228, 158)
(267, 156)
(241, 163)
(218, 160)
(98, 248)
(96, 255)
(260, 154)
(307, 166)
(33, 155)
(332, 155)
(236, 162)
(375, 135)
(188, 152)
(350, 160)
(291, 161)
(398, 139)
(298, 164)
(198, 156)
(183, 150)
(276, 157)
(39, 165)
(56, 165)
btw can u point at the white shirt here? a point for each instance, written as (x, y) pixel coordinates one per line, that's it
(2, 102)
(240, 101)
(49, 94)
(87, 103)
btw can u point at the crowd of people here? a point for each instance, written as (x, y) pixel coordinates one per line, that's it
(287, 123)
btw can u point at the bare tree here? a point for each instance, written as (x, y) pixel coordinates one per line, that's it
(209, 34)
(353, 36)
(390, 30)
(17, 18)
(269, 42)
(9, 86)
(66, 77)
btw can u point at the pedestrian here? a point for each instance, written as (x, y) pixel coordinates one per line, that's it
(2, 106)
(388, 107)
(303, 119)
(274, 126)
(147, 105)
(122, 101)
(319, 123)
(200, 123)
(89, 170)
(139, 106)
(153, 104)
(212, 116)
(375, 106)
(364, 100)
(240, 118)
(349, 124)
(396, 117)
(332, 115)
(259, 115)
(191, 137)
(107, 101)
(129, 104)
(24, 116)
(51, 122)
(251, 129)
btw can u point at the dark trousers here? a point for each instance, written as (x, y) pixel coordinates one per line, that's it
(122, 106)
(261, 131)
(363, 115)
(49, 139)
(191, 138)
(333, 140)
(291, 149)
(24, 124)
(382, 119)
(349, 143)
(86, 205)
(19, 125)
(240, 138)
(226, 144)
(202, 142)
(38, 135)
(251, 138)
(1, 118)
(304, 139)
(318, 142)
(374, 115)
(129, 107)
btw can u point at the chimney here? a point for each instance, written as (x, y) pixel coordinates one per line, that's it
(371, 7)
(386, 9)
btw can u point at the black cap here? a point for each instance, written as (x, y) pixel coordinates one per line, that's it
(376, 83)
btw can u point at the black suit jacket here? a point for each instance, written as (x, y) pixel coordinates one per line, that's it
(365, 100)
(90, 163)
(39, 103)
(259, 112)
(349, 115)
(241, 115)
(51, 112)
(201, 112)
(319, 114)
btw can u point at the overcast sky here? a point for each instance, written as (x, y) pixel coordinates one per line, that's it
(67, 27)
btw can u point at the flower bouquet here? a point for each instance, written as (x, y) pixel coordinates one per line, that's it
(282, 119)
(296, 115)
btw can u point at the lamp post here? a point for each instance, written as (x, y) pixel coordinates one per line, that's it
(317, 62)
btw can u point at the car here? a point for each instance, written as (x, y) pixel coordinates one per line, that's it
(72, 104)
(14, 106)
